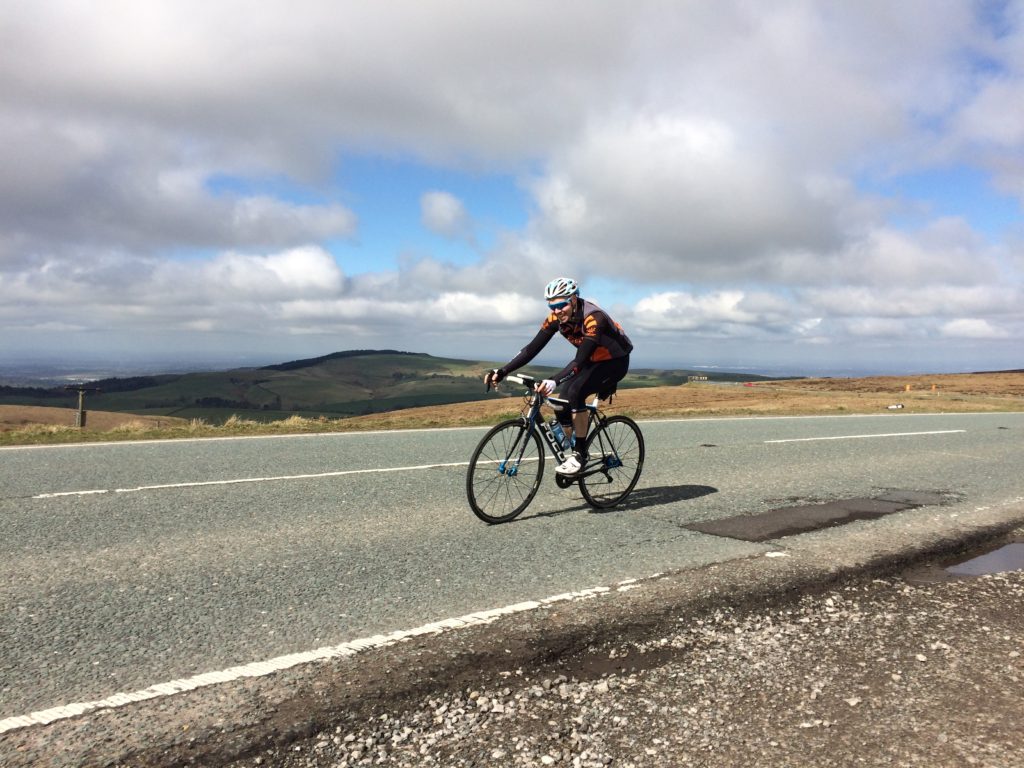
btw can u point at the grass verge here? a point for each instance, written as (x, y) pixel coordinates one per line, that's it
(944, 393)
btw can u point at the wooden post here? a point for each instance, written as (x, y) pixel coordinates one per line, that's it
(81, 389)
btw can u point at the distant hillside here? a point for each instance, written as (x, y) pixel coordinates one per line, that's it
(295, 365)
(339, 385)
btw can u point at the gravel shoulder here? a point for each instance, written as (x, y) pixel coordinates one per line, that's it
(879, 673)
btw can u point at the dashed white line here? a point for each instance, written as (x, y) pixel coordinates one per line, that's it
(241, 480)
(263, 668)
(865, 437)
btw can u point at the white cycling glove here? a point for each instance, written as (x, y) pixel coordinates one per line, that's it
(546, 387)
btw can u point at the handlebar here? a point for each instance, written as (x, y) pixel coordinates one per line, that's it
(531, 383)
(518, 378)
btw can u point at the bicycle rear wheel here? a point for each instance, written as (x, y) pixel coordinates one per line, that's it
(504, 472)
(615, 460)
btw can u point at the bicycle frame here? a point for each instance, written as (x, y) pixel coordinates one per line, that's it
(533, 422)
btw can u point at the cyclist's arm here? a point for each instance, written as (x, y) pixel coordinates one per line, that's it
(530, 351)
(583, 353)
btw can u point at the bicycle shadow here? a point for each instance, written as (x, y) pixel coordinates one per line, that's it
(640, 498)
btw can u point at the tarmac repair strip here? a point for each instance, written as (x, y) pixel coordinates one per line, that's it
(789, 521)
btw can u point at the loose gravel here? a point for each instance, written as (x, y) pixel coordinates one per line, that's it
(887, 672)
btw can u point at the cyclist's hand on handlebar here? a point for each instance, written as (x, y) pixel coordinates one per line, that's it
(492, 378)
(546, 387)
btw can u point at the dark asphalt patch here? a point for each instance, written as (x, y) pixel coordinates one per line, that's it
(804, 518)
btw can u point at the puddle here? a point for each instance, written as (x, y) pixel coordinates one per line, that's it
(1004, 554)
(1009, 557)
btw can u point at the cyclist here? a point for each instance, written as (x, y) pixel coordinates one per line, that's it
(602, 359)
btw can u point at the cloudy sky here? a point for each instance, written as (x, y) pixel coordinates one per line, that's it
(799, 185)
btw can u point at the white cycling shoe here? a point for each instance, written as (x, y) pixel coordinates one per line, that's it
(571, 466)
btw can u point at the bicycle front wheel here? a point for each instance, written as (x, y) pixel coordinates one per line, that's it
(505, 472)
(615, 460)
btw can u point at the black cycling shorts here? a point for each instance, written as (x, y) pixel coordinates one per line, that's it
(592, 380)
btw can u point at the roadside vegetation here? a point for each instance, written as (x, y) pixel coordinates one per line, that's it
(336, 386)
(943, 393)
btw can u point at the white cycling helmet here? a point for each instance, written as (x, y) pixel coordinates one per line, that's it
(561, 288)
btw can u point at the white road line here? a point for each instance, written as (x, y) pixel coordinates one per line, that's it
(236, 481)
(864, 437)
(262, 668)
(227, 438)
(327, 435)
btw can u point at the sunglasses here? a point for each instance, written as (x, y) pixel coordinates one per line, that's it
(559, 305)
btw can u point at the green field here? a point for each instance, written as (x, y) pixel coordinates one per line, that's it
(339, 385)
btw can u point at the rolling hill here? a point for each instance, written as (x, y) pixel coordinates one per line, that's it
(339, 385)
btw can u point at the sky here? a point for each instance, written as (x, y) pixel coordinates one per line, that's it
(790, 186)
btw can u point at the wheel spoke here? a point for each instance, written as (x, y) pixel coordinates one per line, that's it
(616, 457)
(505, 472)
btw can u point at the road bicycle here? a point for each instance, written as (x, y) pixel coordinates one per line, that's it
(508, 464)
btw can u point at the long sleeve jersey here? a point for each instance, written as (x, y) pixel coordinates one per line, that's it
(590, 329)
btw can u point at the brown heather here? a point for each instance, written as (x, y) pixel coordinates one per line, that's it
(939, 393)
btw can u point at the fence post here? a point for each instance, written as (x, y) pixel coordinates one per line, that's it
(81, 389)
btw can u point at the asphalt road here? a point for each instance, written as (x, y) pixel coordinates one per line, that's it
(127, 565)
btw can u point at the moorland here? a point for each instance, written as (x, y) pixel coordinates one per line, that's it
(649, 395)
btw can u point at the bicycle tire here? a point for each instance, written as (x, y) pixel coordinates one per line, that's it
(497, 495)
(615, 460)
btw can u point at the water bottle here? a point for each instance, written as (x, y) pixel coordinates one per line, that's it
(558, 432)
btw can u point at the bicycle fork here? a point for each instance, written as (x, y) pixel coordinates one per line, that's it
(508, 466)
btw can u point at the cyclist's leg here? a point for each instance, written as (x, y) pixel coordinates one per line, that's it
(595, 378)
(598, 378)
(602, 378)
(608, 374)
(575, 392)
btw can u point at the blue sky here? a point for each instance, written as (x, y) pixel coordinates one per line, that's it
(788, 187)
(388, 193)
(957, 191)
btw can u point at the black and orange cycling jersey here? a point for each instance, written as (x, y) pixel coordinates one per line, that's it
(590, 329)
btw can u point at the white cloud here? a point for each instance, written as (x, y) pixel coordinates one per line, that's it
(973, 328)
(298, 272)
(678, 197)
(912, 301)
(680, 311)
(995, 115)
(445, 215)
(946, 252)
(232, 288)
(841, 317)
(97, 190)
(264, 219)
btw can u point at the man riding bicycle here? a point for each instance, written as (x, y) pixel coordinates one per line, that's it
(602, 359)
